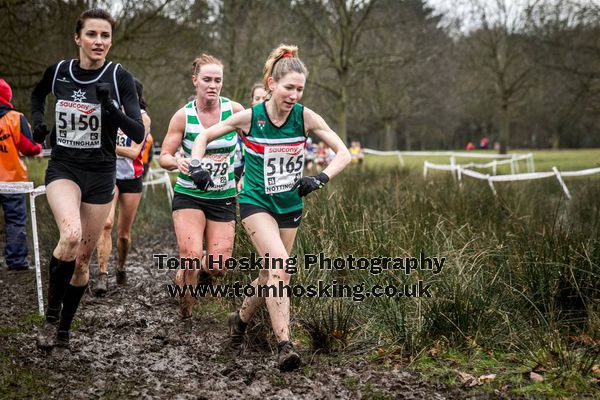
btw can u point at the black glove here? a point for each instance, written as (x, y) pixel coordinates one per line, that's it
(309, 184)
(201, 178)
(40, 132)
(103, 95)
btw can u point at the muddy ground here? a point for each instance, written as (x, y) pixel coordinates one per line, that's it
(131, 344)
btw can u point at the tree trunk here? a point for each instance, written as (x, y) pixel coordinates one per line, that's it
(343, 115)
(390, 142)
(556, 139)
(504, 128)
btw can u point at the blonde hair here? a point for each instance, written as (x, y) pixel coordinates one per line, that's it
(205, 59)
(282, 60)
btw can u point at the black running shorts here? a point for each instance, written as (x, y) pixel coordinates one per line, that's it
(135, 185)
(96, 187)
(220, 210)
(288, 220)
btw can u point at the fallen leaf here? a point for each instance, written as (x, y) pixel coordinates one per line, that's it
(337, 334)
(381, 351)
(596, 369)
(436, 349)
(487, 378)
(467, 380)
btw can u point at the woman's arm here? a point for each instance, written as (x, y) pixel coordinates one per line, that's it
(317, 125)
(129, 121)
(171, 143)
(133, 151)
(238, 121)
(38, 96)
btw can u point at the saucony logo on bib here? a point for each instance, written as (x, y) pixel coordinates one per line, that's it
(78, 95)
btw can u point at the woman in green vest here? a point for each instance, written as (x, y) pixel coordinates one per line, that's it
(274, 134)
(202, 215)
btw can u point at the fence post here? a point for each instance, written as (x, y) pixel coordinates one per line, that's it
(492, 186)
(36, 251)
(401, 159)
(562, 183)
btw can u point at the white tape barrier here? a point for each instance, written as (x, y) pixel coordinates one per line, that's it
(453, 155)
(510, 178)
(27, 188)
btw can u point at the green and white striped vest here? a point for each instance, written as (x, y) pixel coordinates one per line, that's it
(218, 159)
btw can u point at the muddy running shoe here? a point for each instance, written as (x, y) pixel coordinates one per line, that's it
(62, 347)
(101, 284)
(62, 339)
(237, 330)
(186, 306)
(288, 359)
(121, 277)
(46, 338)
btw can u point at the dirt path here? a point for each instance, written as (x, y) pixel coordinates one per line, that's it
(131, 344)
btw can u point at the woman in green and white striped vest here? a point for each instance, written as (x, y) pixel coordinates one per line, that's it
(274, 133)
(208, 214)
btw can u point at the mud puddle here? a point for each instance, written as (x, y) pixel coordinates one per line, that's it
(131, 344)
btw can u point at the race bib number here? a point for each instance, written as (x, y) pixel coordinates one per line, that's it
(122, 139)
(218, 166)
(283, 166)
(78, 125)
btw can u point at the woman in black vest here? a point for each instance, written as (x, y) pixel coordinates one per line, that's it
(90, 93)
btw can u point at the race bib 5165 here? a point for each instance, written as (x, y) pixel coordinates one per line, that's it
(283, 166)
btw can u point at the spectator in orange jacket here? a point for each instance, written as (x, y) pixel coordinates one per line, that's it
(15, 137)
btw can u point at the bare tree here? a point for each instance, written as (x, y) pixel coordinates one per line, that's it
(337, 28)
(500, 52)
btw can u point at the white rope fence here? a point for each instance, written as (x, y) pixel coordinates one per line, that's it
(158, 177)
(511, 159)
(461, 170)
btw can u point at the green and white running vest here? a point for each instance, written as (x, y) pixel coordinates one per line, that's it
(274, 161)
(218, 159)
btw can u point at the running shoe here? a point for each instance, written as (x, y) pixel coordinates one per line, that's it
(62, 349)
(288, 359)
(62, 339)
(101, 284)
(46, 338)
(121, 277)
(186, 306)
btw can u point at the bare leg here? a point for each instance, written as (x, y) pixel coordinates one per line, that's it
(93, 218)
(251, 304)
(189, 229)
(219, 242)
(64, 198)
(265, 236)
(104, 246)
(129, 203)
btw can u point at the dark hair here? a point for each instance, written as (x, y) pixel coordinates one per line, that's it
(139, 88)
(257, 85)
(94, 13)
